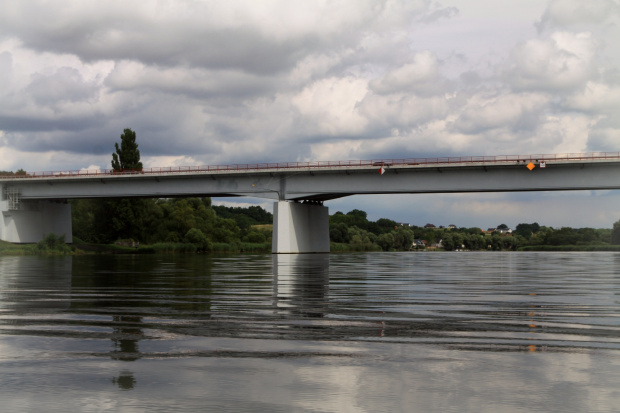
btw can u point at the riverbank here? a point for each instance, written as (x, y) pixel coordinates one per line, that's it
(78, 248)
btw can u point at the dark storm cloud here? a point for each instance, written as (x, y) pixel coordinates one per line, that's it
(189, 36)
(243, 48)
(65, 84)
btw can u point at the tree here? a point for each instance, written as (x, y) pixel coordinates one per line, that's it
(127, 156)
(123, 218)
(615, 233)
(385, 241)
(527, 230)
(339, 232)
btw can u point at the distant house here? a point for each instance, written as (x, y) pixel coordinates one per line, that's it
(452, 226)
(429, 226)
(499, 231)
(418, 243)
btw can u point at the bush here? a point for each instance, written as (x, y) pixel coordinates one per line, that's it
(53, 243)
(255, 247)
(255, 238)
(199, 239)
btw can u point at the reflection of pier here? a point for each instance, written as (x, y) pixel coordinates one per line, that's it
(301, 284)
(126, 333)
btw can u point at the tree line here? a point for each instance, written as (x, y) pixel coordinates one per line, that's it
(194, 222)
(353, 231)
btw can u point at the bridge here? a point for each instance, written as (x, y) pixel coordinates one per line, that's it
(34, 204)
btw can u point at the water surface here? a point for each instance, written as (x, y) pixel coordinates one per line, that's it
(479, 332)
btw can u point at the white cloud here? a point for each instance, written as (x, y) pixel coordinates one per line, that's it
(564, 61)
(420, 74)
(596, 97)
(92, 168)
(511, 110)
(566, 13)
(329, 106)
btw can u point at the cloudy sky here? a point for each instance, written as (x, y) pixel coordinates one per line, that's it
(213, 82)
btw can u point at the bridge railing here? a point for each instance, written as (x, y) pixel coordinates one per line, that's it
(324, 164)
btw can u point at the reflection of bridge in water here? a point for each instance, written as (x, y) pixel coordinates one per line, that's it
(301, 284)
(35, 204)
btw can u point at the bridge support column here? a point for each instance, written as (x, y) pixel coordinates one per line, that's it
(30, 221)
(300, 228)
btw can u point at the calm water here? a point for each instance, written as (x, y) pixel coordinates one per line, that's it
(379, 332)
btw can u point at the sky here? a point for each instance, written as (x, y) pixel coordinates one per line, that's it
(214, 83)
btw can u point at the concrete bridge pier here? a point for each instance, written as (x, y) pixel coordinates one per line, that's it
(29, 221)
(300, 228)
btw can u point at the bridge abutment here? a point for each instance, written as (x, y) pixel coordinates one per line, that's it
(300, 228)
(29, 221)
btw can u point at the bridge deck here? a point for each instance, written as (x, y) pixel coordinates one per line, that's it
(329, 165)
(322, 181)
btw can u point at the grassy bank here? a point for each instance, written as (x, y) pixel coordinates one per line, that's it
(56, 246)
(342, 247)
(49, 245)
(177, 248)
(7, 248)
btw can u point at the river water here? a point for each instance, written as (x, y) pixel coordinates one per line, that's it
(370, 332)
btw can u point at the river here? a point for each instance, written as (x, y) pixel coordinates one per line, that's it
(368, 332)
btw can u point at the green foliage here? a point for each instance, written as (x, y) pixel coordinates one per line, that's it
(53, 243)
(339, 232)
(403, 239)
(527, 230)
(362, 240)
(255, 237)
(196, 237)
(194, 225)
(7, 248)
(174, 247)
(386, 241)
(19, 172)
(245, 217)
(254, 247)
(615, 233)
(385, 225)
(127, 156)
(452, 241)
(353, 232)
(170, 225)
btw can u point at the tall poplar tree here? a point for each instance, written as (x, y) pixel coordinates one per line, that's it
(123, 218)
